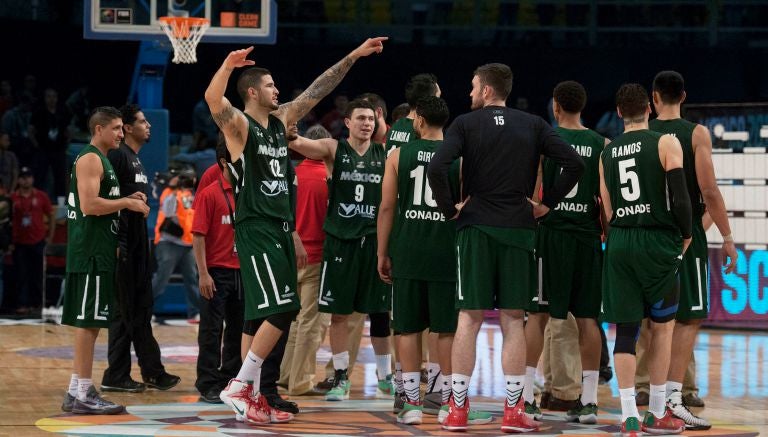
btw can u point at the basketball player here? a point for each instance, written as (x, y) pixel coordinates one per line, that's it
(349, 281)
(93, 206)
(668, 96)
(419, 262)
(570, 255)
(496, 223)
(264, 232)
(643, 252)
(419, 86)
(133, 317)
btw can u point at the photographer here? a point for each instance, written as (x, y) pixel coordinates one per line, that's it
(173, 239)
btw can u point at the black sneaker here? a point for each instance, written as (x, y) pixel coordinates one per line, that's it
(128, 386)
(211, 396)
(325, 384)
(605, 375)
(278, 403)
(66, 406)
(432, 403)
(95, 404)
(164, 381)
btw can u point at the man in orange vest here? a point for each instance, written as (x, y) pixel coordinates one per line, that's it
(173, 239)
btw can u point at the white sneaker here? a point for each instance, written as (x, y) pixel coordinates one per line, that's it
(236, 396)
(681, 411)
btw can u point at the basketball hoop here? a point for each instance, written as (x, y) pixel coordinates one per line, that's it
(184, 33)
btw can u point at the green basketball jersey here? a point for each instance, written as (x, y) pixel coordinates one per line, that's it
(683, 130)
(637, 182)
(400, 134)
(92, 237)
(261, 174)
(422, 241)
(355, 191)
(579, 211)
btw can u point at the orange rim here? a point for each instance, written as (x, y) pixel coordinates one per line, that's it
(182, 25)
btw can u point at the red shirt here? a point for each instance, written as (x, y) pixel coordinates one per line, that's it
(28, 213)
(212, 220)
(311, 206)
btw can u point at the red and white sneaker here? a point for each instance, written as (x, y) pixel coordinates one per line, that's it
(236, 396)
(457, 416)
(275, 415)
(669, 424)
(515, 419)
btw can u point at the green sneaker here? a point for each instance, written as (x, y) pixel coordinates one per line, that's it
(340, 389)
(631, 427)
(410, 414)
(582, 414)
(474, 417)
(385, 388)
(533, 411)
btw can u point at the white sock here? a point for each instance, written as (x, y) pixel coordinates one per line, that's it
(399, 388)
(383, 365)
(589, 380)
(658, 400)
(459, 388)
(628, 406)
(446, 389)
(72, 390)
(411, 382)
(530, 374)
(341, 361)
(251, 370)
(514, 387)
(83, 384)
(433, 373)
(674, 386)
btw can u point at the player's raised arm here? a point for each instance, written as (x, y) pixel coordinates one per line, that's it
(386, 216)
(713, 199)
(229, 119)
(323, 149)
(294, 111)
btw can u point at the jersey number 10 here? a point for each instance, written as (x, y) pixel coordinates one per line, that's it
(421, 184)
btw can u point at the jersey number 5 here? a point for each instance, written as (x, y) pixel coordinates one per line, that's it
(628, 175)
(421, 182)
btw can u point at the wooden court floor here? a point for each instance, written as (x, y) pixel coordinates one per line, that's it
(35, 364)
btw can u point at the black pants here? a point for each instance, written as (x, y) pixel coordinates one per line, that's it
(28, 262)
(270, 370)
(217, 365)
(132, 322)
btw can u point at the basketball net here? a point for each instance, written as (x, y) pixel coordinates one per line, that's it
(185, 34)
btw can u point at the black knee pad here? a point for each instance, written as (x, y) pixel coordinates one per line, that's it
(665, 310)
(282, 321)
(626, 338)
(379, 324)
(251, 326)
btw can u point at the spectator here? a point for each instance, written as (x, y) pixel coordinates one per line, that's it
(204, 130)
(173, 239)
(30, 88)
(48, 133)
(6, 208)
(30, 209)
(16, 124)
(9, 165)
(80, 107)
(201, 159)
(334, 119)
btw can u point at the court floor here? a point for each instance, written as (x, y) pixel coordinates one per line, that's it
(35, 364)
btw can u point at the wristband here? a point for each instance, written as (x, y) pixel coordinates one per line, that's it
(728, 238)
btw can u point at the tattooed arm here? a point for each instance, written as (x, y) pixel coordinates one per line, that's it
(229, 119)
(294, 111)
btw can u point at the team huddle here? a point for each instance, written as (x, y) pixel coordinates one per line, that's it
(498, 211)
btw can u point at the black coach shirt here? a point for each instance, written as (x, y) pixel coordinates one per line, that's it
(132, 233)
(500, 148)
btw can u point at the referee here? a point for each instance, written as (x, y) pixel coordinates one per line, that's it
(132, 321)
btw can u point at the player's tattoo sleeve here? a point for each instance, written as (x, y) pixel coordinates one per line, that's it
(321, 87)
(225, 120)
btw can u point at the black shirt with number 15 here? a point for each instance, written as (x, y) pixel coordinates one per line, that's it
(500, 148)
